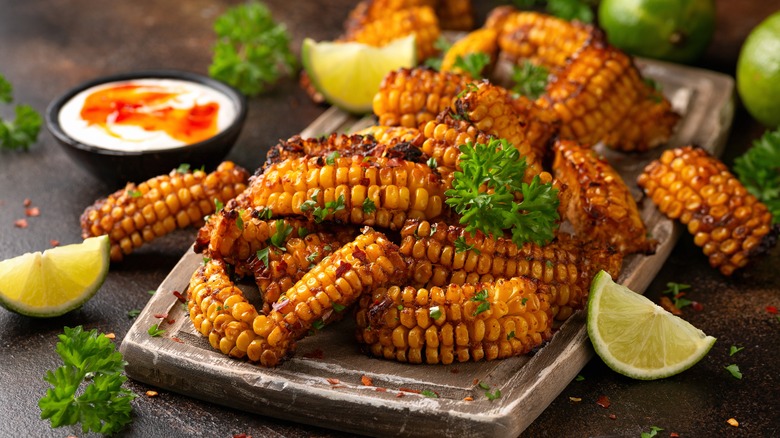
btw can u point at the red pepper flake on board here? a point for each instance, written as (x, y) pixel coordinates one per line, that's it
(674, 435)
(380, 389)
(241, 435)
(315, 354)
(343, 268)
(333, 381)
(175, 339)
(32, 212)
(772, 310)
(413, 391)
(400, 394)
(366, 381)
(697, 306)
(20, 223)
(161, 315)
(603, 401)
(54, 243)
(170, 321)
(469, 398)
(178, 295)
(612, 417)
(27, 202)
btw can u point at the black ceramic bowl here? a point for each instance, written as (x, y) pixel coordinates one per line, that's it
(118, 167)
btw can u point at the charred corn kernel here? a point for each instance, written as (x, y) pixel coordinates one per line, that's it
(492, 325)
(455, 14)
(371, 10)
(443, 137)
(420, 21)
(491, 110)
(728, 222)
(600, 205)
(234, 327)
(411, 97)
(600, 96)
(478, 41)
(392, 134)
(311, 187)
(148, 210)
(566, 265)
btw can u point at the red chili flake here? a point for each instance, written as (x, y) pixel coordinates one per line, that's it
(242, 435)
(178, 295)
(170, 321)
(366, 381)
(175, 339)
(697, 306)
(772, 310)
(413, 391)
(54, 243)
(475, 382)
(279, 305)
(20, 223)
(674, 435)
(454, 371)
(32, 212)
(281, 266)
(365, 181)
(612, 417)
(394, 162)
(161, 315)
(360, 255)
(669, 306)
(380, 389)
(400, 394)
(27, 202)
(333, 381)
(469, 398)
(603, 401)
(343, 268)
(315, 354)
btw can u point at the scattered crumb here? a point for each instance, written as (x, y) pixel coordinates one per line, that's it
(612, 417)
(603, 401)
(575, 399)
(32, 212)
(732, 422)
(469, 398)
(151, 393)
(110, 335)
(333, 381)
(365, 380)
(20, 223)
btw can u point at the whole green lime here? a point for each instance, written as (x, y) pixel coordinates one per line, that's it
(758, 72)
(672, 30)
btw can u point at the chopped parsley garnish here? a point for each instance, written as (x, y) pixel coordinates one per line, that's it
(206, 260)
(435, 312)
(331, 207)
(530, 79)
(483, 193)
(484, 385)
(134, 193)
(155, 331)
(653, 432)
(734, 370)
(265, 213)
(461, 245)
(481, 298)
(734, 350)
(318, 325)
(218, 205)
(510, 335)
(132, 313)
(473, 63)
(676, 291)
(23, 131)
(102, 405)
(442, 45)
(338, 307)
(331, 158)
(429, 393)
(282, 232)
(493, 395)
(434, 227)
(312, 257)
(432, 163)
(579, 378)
(151, 291)
(368, 206)
(183, 168)
(303, 232)
(240, 220)
(262, 255)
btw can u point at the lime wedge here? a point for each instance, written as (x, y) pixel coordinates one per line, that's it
(55, 281)
(348, 74)
(637, 338)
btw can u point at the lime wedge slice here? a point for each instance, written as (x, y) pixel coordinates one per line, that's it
(348, 74)
(55, 281)
(637, 338)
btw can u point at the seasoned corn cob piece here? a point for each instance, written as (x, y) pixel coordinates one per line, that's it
(490, 109)
(420, 21)
(455, 14)
(371, 10)
(481, 40)
(471, 322)
(542, 125)
(411, 97)
(140, 213)
(600, 207)
(357, 190)
(542, 39)
(729, 223)
(566, 265)
(220, 311)
(444, 136)
(393, 134)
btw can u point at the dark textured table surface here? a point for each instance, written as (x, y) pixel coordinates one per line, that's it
(47, 47)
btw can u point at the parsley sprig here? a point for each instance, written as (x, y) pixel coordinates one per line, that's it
(473, 63)
(676, 290)
(530, 79)
(103, 406)
(23, 131)
(252, 51)
(484, 191)
(759, 171)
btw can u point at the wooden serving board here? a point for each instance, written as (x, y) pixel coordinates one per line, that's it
(299, 390)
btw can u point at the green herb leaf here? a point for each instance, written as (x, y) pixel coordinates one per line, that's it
(653, 432)
(218, 205)
(676, 291)
(103, 406)
(280, 236)
(473, 63)
(6, 90)
(493, 395)
(759, 170)
(530, 80)
(338, 307)
(435, 312)
(484, 305)
(155, 331)
(262, 255)
(311, 258)
(429, 393)
(134, 193)
(318, 325)
(303, 232)
(331, 207)
(579, 378)
(240, 220)
(252, 51)
(432, 163)
(510, 335)
(206, 260)
(571, 10)
(330, 160)
(21, 132)
(133, 313)
(183, 168)
(734, 350)
(734, 370)
(368, 206)
(442, 45)
(265, 213)
(484, 385)
(461, 245)
(151, 291)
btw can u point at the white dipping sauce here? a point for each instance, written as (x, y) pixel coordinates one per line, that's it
(123, 137)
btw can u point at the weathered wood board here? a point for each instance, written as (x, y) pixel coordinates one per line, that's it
(298, 390)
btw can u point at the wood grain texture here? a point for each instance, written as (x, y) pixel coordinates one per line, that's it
(299, 389)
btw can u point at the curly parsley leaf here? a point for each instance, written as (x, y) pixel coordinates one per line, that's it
(442, 45)
(283, 230)
(473, 63)
(734, 370)
(103, 406)
(252, 51)
(759, 171)
(653, 432)
(484, 193)
(530, 79)
(21, 132)
(6, 90)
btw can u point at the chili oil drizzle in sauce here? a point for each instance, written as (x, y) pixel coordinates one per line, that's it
(146, 114)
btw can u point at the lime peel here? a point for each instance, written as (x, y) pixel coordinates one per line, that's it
(637, 338)
(348, 74)
(56, 281)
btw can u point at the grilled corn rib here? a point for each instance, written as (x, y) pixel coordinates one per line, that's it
(478, 41)
(420, 21)
(728, 222)
(140, 213)
(444, 136)
(371, 10)
(600, 207)
(220, 311)
(566, 265)
(411, 97)
(471, 322)
(357, 190)
(393, 134)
